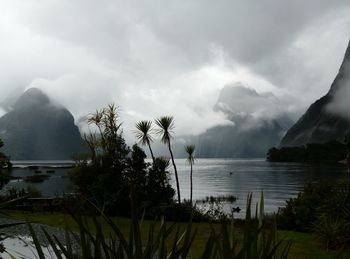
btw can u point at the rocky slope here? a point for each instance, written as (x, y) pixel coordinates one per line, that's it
(324, 121)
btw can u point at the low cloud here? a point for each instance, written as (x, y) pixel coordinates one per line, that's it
(2, 112)
(341, 93)
(241, 100)
(172, 57)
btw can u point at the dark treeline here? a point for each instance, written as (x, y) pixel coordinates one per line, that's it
(330, 152)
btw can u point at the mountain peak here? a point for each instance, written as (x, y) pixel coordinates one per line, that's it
(347, 52)
(319, 124)
(32, 97)
(342, 73)
(37, 129)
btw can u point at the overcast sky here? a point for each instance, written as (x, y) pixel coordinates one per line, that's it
(161, 57)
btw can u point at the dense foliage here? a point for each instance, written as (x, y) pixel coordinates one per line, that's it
(301, 212)
(107, 173)
(323, 208)
(5, 167)
(330, 152)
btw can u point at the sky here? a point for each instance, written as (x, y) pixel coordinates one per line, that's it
(154, 58)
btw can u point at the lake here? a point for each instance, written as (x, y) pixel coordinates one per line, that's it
(211, 177)
(239, 177)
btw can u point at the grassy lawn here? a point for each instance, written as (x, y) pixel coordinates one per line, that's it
(304, 245)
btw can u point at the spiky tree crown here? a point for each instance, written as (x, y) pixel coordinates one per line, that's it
(166, 126)
(190, 149)
(143, 132)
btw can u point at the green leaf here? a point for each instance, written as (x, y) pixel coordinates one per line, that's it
(36, 242)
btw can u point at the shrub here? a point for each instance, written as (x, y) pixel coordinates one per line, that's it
(322, 208)
(333, 223)
(301, 212)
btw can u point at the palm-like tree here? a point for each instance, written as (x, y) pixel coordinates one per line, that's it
(166, 126)
(97, 120)
(190, 158)
(143, 134)
(93, 144)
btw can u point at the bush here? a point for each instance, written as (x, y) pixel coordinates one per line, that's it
(323, 209)
(333, 223)
(301, 212)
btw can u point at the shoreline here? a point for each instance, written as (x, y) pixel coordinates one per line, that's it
(42, 164)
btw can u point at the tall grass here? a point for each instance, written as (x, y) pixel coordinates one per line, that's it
(254, 240)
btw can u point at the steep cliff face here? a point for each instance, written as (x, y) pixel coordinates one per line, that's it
(36, 129)
(321, 123)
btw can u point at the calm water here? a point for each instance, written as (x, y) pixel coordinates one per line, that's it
(56, 185)
(238, 177)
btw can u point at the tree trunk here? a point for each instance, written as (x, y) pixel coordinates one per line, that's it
(191, 185)
(176, 176)
(150, 150)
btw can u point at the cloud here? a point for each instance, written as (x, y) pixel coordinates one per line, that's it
(341, 92)
(171, 57)
(2, 112)
(240, 100)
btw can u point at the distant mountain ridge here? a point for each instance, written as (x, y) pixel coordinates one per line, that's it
(320, 124)
(250, 134)
(252, 131)
(37, 129)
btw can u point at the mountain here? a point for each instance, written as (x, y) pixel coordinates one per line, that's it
(238, 141)
(324, 121)
(38, 129)
(251, 129)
